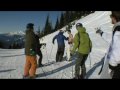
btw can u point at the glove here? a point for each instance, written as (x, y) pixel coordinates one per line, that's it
(32, 52)
(99, 32)
(67, 38)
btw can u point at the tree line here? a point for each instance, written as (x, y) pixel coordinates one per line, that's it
(65, 19)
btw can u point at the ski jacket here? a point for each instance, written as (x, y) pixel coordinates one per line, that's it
(82, 42)
(60, 39)
(38, 45)
(113, 54)
(30, 42)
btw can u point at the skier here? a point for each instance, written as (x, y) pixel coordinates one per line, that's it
(61, 45)
(83, 43)
(70, 44)
(30, 44)
(111, 68)
(38, 51)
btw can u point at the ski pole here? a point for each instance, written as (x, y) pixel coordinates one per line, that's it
(44, 72)
(72, 70)
(47, 55)
(51, 52)
(101, 36)
(103, 59)
(50, 55)
(90, 60)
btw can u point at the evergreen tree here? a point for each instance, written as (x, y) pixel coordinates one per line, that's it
(56, 25)
(39, 32)
(48, 27)
(61, 21)
(42, 33)
(67, 17)
(51, 27)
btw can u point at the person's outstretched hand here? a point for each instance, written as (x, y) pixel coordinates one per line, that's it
(99, 32)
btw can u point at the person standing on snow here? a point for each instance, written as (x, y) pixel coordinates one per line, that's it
(111, 68)
(61, 45)
(30, 52)
(83, 45)
(70, 44)
(38, 51)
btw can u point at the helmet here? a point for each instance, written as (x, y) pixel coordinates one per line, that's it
(79, 24)
(30, 25)
(61, 30)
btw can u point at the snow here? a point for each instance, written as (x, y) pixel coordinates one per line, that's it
(12, 61)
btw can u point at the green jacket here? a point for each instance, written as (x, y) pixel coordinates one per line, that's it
(30, 43)
(85, 43)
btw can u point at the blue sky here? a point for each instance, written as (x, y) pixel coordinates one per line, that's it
(11, 21)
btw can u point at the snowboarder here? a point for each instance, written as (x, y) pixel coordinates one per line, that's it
(30, 44)
(38, 51)
(111, 68)
(70, 44)
(61, 45)
(83, 43)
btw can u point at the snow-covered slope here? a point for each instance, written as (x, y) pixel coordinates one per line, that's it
(12, 61)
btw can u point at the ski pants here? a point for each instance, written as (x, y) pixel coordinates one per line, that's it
(30, 66)
(39, 53)
(60, 53)
(69, 48)
(80, 63)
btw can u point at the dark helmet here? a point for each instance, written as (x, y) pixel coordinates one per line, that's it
(79, 25)
(30, 25)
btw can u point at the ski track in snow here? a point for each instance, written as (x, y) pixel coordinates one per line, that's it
(13, 67)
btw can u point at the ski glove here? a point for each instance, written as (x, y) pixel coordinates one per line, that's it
(32, 52)
(67, 38)
(99, 32)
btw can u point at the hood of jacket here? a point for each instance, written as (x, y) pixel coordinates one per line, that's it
(81, 29)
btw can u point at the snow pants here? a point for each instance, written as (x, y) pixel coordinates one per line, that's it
(39, 53)
(80, 63)
(30, 66)
(60, 53)
(69, 48)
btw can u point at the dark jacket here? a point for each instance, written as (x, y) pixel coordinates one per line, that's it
(60, 39)
(38, 45)
(30, 42)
